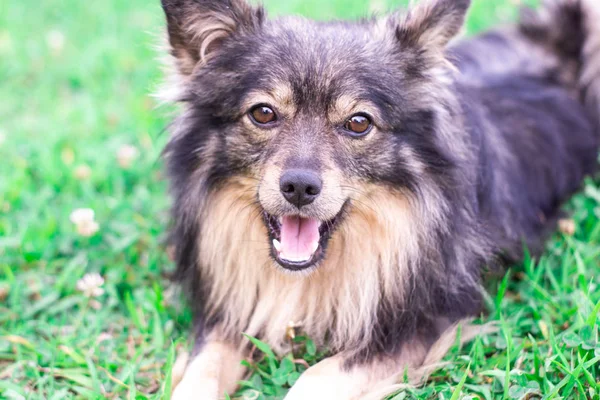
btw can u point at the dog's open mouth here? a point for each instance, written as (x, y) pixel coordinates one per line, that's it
(298, 243)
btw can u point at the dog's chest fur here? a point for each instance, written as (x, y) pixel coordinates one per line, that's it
(337, 302)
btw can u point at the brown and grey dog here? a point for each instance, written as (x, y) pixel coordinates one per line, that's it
(357, 177)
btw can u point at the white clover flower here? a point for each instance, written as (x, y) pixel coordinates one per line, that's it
(567, 226)
(95, 304)
(67, 156)
(83, 218)
(6, 42)
(55, 40)
(103, 337)
(91, 285)
(82, 172)
(126, 155)
(88, 229)
(82, 215)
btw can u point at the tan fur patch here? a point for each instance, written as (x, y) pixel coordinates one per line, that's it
(370, 252)
(346, 105)
(280, 97)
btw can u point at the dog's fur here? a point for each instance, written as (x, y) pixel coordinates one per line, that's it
(475, 145)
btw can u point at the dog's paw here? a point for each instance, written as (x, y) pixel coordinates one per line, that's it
(316, 388)
(178, 370)
(199, 390)
(185, 387)
(326, 381)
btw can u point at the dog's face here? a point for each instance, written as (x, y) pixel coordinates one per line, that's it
(315, 118)
(313, 114)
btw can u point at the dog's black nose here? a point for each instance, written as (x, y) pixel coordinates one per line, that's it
(300, 186)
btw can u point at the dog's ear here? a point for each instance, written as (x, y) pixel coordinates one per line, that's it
(431, 24)
(198, 28)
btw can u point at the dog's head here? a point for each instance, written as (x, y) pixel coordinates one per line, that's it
(313, 115)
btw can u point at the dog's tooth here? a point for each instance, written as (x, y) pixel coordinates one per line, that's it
(295, 259)
(277, 245)
(283, 256)
(315, 247)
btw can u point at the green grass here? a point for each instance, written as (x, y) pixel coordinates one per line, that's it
(75, 82)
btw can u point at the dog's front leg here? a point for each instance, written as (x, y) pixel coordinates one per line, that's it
(208, 375)
(331, 379)
(379, 375)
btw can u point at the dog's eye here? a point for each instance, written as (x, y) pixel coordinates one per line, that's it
(359, 125)
(263, 115)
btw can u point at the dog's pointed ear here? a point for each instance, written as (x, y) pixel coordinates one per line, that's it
(431, 24)
(198, 28)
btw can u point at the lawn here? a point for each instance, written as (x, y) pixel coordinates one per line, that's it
(79, 129)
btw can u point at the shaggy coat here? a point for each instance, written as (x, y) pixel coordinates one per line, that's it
(470, 150)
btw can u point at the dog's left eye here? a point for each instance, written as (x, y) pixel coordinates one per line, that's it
(262, 115)
(359, 125)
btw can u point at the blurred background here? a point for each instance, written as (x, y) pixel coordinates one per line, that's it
(82, 193)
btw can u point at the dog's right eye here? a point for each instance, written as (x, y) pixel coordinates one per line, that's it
(359, 125)
(262, 115)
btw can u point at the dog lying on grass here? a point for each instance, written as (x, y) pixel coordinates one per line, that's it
(358, 177)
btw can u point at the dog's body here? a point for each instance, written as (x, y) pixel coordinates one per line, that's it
(356, 178)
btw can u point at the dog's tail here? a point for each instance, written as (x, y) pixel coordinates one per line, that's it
(570, 29)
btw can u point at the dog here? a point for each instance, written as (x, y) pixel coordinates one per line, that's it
(358, 178)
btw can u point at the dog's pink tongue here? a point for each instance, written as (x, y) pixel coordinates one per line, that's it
(299, 238)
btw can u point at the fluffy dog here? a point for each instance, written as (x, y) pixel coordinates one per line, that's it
(357, 177)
